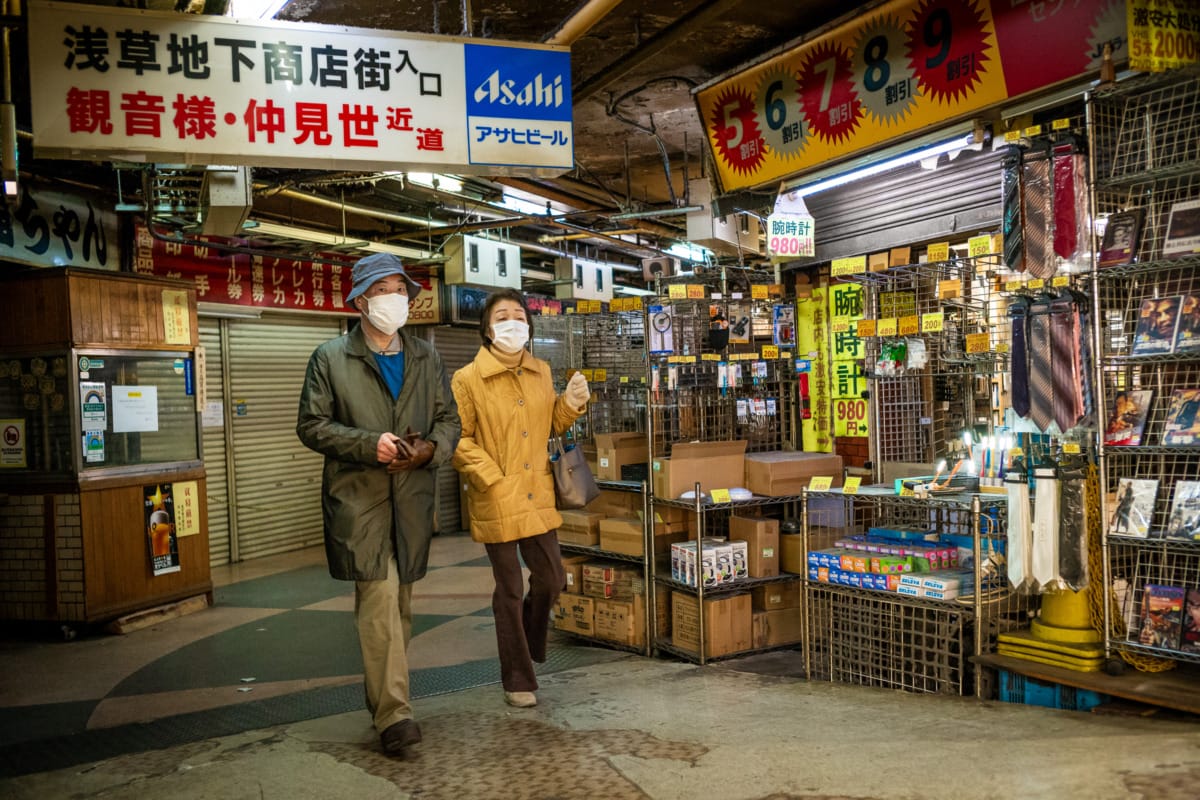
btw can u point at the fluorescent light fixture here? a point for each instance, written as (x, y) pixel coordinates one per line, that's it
(692, 252)
(332, 239)
(523, 206)
(256, 9)
(445, 183)
(632, 290)
(911, 157)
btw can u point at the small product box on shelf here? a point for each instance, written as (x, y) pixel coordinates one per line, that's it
(621, 621)
(617, 450)
(727, 624)
(775, 596)
(724, 551)
(740, 560)
(761, 536)
(573, 567)
(575, 613)
(609, 581)
(785, 473)
(580, 527)
(714, 465)
(791, 546)
(890, 564)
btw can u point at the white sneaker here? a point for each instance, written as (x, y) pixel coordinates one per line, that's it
(521, 699)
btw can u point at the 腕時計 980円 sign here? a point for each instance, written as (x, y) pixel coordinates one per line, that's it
(182, 88)
(903, 67)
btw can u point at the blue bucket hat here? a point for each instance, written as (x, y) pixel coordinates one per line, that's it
(369, 269)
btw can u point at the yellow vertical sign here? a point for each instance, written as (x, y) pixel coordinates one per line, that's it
(187, 508)
(177, 322)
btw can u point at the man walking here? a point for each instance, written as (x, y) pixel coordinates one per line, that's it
(377, 404)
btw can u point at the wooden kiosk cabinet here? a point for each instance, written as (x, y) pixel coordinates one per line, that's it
(102, 490)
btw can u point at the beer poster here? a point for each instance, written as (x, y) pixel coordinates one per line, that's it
(160, 528)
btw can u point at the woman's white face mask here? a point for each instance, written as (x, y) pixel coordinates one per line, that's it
(510, 335)
(388, 312)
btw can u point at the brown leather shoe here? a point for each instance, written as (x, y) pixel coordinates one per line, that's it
(400, 736)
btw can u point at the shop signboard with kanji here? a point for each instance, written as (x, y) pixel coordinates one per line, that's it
(902, 68)
(47, 228)
(199, 89)
(848, 382)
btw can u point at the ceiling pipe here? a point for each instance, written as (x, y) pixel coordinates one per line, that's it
(364, 211)
(573, 28)
(652, 47)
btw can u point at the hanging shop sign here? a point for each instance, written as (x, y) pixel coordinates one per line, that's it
(1163, 34)
(847, 350)
(790, 237)
(53, 229)
(812, 343)
(200, 89)
(907, 66)
(279, 284)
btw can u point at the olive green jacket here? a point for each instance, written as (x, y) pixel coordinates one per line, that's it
(345, 406)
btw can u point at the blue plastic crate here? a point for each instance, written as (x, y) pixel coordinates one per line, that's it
(1015, 688)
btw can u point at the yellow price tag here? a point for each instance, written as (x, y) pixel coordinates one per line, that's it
(624, 379)
(1061, 280)
(1002, 347)
(710, 356)
(850, 486)
(978, 342)
(600, 375)
(949, 289)
(820, 483)
(588, 374)
(1014, 286)
(910, 325)
(979, 246)
(720, 496)
(1016, 451)
(677, 291)
(634, 304)
(938, 252)
(695, 291)
(1011, 137)
(770, 351)
(852, 265)
(866, 328)
(840, 325)
(1032, 130)
(933, 323)
(785, 353)
(758, 291)
(886, 327)
(687, 359)
(1061, 124)
(1072, 448)
(1036, 283)
(907, 492)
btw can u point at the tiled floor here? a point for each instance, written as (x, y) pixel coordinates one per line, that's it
(261, 697)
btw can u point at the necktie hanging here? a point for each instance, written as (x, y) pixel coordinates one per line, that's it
(1041, 385)
(1020, 528)
(1046, 517)
(1063, 360)
(1012, 218)
(1070, 200)
(1018, 312)
(1036, 188)
(1072, 534)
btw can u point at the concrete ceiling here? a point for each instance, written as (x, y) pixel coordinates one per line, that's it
(637, 133)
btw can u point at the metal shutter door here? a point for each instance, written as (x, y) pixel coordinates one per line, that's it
(457, 347)
(908, 205)
(214, 448)
(277, 479)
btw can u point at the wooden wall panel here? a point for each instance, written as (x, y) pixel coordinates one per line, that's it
(34, 312)
(117, 575)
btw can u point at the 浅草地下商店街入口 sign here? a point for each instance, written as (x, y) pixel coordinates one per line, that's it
(197, 89)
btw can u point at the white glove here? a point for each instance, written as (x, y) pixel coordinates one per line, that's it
(577, 393)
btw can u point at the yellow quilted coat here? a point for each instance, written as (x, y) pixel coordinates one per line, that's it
(506, 419)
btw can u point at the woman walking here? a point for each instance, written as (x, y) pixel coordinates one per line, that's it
(508, 408)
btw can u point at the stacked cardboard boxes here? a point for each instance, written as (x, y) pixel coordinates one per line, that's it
(727, 624)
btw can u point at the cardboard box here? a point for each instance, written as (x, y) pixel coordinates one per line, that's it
(609, 581)
(791, 545)
(662, 611)
(616, 450)
(623, 622)
(715, 465)
(573, 566)
(626, 535)
(672, 515)
(784, 626)
(727, 624)
(758, 630)
(761, 536)
(580, 527)
(784, 473)
(775, 596)
(616, 503)
(575, 613)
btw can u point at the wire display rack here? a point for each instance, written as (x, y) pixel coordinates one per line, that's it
(954, 310)
(1145, 144)
(876, 638)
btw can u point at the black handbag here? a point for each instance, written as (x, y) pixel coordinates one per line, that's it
(574, 484)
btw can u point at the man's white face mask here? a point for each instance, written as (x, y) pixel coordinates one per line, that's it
(388, 312)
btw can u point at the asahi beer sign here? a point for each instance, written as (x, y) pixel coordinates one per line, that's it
(182, 88)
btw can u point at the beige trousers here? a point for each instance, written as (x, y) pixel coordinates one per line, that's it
(383, 615)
